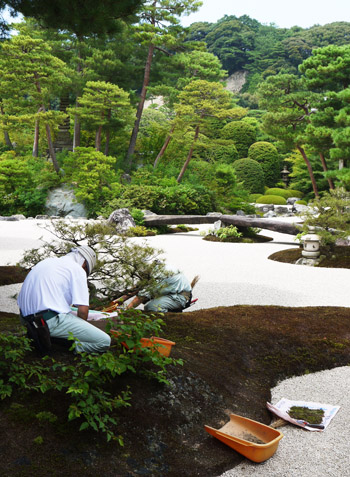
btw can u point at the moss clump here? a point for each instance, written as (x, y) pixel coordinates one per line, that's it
(312, 416)
(271, 199)
(286, 193)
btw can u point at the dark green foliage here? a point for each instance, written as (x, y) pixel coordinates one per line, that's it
(82, 18)
(24, 182)
(267, 155)
(242, 134)
(242, 43)
(271, 199)
(251, 174)
(181, 199)
(223, 151)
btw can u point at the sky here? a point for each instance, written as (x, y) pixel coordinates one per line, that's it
(282, 13)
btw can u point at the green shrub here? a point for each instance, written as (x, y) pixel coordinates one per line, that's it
(254, 197)
(139, 231)
(24, 182)
(223, 151)
(138, 216)
(286, 193)
(86, 380)
(295, 193)
(180, 199)
(94, 175)
(242, 134)
(250, 173)
(301, 202)
(271, 199)
(267, 155)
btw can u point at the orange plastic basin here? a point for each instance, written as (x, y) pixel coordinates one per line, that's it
(252, 439)
(161, 345)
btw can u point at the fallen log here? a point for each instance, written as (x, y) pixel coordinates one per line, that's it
(238, 220)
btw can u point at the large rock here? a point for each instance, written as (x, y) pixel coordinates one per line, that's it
(122, 220)
(62, 202)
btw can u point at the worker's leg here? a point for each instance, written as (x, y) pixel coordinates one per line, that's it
(166, 303)
(91, 339)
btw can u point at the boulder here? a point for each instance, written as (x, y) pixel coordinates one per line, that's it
(217, 225)
(122, 220)
(270, 214)
(292, 200)
(282, 209)
(61, 202)
(264, 207)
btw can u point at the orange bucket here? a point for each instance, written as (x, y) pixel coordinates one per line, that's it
(252, 439)
(161, 345)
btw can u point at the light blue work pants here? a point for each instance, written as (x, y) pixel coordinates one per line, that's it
(91, 339)
(165, 303)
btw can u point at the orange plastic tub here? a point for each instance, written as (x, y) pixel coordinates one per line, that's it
(161, 345)
(252, 439)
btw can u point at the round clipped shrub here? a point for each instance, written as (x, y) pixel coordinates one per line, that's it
(250, 173)
(301, 202)
(242, 134)
(267, 155)
(253, 197)
(286, 193)
(271, 199)
(295, 193)
(224, 151)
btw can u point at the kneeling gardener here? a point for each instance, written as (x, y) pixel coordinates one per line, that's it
(52, 287)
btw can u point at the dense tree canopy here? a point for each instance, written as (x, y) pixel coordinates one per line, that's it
(81, 17)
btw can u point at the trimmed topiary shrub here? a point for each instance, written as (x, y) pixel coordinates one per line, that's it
(301, 202)
(224, 151)
(271, 199)
(243, 135)
(286, 193)
(295, 193)
(181, 199)
(250, 173)
(267, 155)
(254, 197)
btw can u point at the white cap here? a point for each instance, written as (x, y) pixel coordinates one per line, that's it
(89, 255)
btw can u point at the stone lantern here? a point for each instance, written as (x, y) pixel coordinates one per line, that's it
(285, 175)
(311, 244)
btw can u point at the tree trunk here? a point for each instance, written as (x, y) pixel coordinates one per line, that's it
(36, 139)
(141, 104)
(76, 134)
(108, 136)
(77, 128)
(98, 138)
(6, 134)
(325, 168)
(261, 223)
(165, 145)
(311, 174)
(7, 139)
(51, 149)
(108, 132)
(189, 157)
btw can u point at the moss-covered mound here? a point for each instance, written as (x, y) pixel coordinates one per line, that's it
(232, 357)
